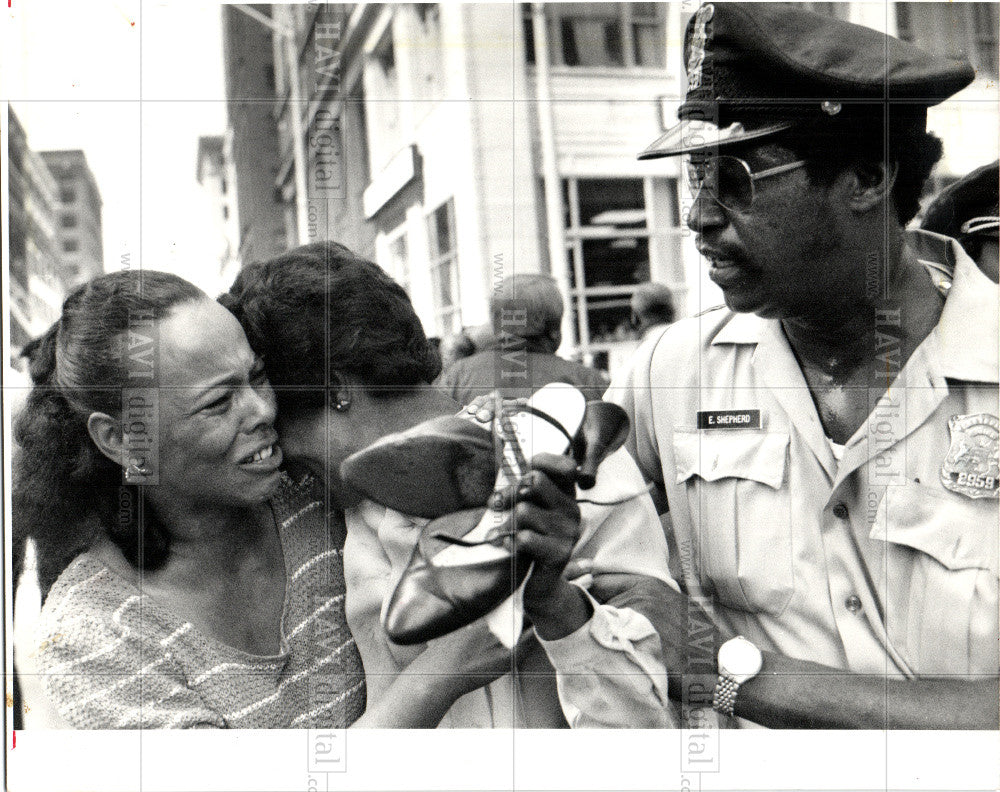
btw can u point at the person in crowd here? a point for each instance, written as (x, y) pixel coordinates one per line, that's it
(348, 358)
(827, 441)
(652, 308)
(526, 311)
(969, 211)
(481, 336)
(189, 582)
(455, 346)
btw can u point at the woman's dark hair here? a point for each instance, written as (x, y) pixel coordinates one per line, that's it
(829, 147)
(320, 311)
(66, 492)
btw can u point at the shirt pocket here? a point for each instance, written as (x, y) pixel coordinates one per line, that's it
(939, 580)
(741, 515)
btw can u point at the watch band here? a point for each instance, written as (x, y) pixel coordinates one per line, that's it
(724, 698)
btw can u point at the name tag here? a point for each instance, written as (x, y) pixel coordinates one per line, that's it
(729, 419)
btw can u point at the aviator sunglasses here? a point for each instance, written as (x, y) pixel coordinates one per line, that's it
(729, 180)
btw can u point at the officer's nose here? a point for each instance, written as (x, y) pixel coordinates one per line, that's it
(705, 212)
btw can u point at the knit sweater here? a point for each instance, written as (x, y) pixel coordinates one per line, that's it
(113, 658)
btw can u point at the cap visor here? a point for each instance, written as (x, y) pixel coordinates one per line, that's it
(692, 135)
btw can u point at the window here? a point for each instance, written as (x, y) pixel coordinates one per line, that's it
(985, 18)
(382, 108)
(355, 134)
(67, 194)
(444, 269)
(838, 10)
(429, 13)
(385, 53)
(904, 22)
(426, 58)
(965, 30)
(649, 46)
(225, 212)
(68, 220)
(399, 259)
(616, 35)
(70, 245)
(620, 232)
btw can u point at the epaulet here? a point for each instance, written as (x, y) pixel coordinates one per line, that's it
(709, 310)
(935, 253)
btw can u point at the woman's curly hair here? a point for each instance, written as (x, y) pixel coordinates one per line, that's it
(320, 311)
(66, 492)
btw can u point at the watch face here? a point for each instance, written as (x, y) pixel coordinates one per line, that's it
(739, 658)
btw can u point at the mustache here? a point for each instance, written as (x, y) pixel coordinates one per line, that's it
(720, 252)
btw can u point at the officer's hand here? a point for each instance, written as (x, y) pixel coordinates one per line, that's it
(547, 521)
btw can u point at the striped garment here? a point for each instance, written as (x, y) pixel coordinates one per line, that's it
(112, 658)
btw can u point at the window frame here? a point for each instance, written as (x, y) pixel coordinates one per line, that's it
(977, 42)
(400, 274)
(447, 318)
(576, 234)
(557, 13)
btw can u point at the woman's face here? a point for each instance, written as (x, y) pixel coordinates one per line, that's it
(316, 441)
(216, 412)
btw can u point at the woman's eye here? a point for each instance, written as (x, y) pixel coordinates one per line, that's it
(217, 404)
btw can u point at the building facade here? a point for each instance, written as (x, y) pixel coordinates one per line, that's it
(456, 143)
(252, 139)
(423, 126)
(78, 229)
(38, 282)
(215, 173)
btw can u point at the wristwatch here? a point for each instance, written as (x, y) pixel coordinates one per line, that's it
(739, 660)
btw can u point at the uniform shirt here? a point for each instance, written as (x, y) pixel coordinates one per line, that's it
(610, 670)
(869, 563)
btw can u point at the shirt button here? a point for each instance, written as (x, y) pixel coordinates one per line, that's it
(840, 511)
(853, 603)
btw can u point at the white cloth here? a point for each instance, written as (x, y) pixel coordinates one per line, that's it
(610, 672)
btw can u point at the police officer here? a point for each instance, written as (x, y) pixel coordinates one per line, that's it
(827, 441)
(969, 210)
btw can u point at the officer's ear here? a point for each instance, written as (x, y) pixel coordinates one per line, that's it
(871, 184)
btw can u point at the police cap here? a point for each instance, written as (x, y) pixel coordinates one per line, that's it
(755, 69)
(968, 207)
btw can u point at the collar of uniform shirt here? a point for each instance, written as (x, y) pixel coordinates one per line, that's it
(966, 354)
(963, 354)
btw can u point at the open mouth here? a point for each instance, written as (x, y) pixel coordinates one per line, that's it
(264, 453)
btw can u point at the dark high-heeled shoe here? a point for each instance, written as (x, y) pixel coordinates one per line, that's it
(434, 598)
(438, 467)
(460, 571)
(449, 464)
(604, 430)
